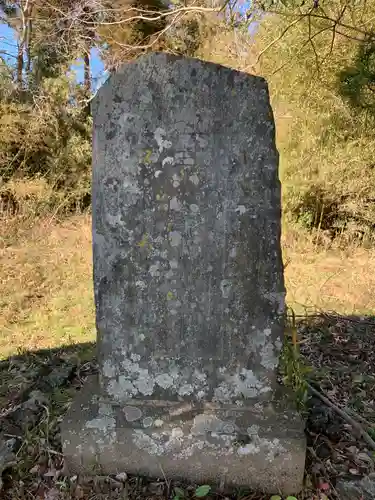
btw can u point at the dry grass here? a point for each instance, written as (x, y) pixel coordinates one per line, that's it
(46, 284)
(332, 279)
(46, 297)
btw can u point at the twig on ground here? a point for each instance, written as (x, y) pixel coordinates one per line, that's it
(363, 421)
(364, 435)
(336, 316)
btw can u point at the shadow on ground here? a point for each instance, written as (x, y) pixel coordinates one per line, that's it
(36, 389)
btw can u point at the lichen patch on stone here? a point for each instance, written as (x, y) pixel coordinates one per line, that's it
(132, 413)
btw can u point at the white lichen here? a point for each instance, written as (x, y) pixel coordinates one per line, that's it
(164, 380)
(225, 287)
(168, 160)
(122, 388)
(194, 179)
(145, 442)
(132, 413)
(175, 238)
(108, 369)
(140, 284)
(245, 384)
(185, 390)
(253, 430)
(174, 204)
(241, 209)
(268, 359)
(154, 269)
(105, 421)
(177, 433)
(249, 449)
(159, 135)
(145, 384)
(147, 422)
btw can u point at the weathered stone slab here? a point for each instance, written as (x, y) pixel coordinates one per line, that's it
(257, 446)
(188, 277)
(187, 261)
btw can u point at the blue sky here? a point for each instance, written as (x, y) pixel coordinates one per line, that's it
(8, 50)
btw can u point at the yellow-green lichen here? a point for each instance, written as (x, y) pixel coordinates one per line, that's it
(147, 157)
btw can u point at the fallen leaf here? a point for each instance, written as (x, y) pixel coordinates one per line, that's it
(364, 457)
(78, 492)
(354, 472)
(52, 494)
(179, 492)
(51, 473)
(352, 449)
(122, 476)
(202, 491)
(35, 469)
(324, 486)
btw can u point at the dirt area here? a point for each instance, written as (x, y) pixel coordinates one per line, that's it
(338, 359)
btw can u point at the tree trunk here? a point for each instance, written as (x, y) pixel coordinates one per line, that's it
(86, 74)
(20, 64)
(28, 48)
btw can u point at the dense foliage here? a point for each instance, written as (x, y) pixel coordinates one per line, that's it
(45, 133)
(321, 71)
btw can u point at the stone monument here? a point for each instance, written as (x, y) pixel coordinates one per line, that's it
(188, 282)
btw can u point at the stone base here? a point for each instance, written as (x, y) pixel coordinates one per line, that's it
(261, 447)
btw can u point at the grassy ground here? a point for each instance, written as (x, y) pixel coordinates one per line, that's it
(46, 282)
(46, 285)
(325, 279)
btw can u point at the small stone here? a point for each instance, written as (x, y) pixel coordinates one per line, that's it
(352, 449)
(355, 472)
(115, 484)
(79, 492)
(364, 457)
(35, 469)
(177, 432)
(156, 488)
(122, 476)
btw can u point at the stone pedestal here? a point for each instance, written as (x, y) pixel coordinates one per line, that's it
(260, 447)
(188, 282)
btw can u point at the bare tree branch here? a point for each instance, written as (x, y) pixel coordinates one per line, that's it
(334, 21)
(313, 47)
(143, 15)
(279, 37)
(335, 24)
(300, 50)
(8, 54)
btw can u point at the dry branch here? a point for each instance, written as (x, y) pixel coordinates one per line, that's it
(364, 435)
